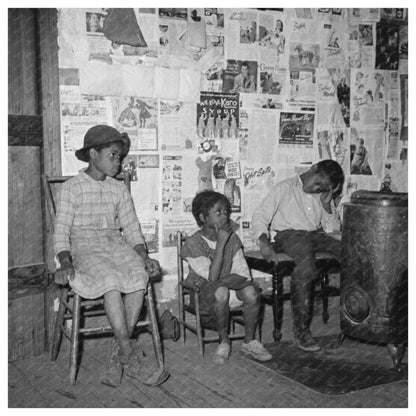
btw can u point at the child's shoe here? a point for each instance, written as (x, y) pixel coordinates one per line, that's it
(222, 353)
(141, 368)
(114, 371)
(256, 350)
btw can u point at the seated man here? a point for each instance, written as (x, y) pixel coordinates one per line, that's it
(297, 210)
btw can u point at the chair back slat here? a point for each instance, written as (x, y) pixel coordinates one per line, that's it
(179, 243)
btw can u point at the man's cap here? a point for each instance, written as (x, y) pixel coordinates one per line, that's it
(99, 135)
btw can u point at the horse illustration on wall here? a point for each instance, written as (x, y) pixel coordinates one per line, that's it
(305, 56)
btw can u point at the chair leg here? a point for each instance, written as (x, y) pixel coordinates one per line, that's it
(57, 332)
(261, 319)
(157, 345)
(73, 354)
(324, 294)
(199, 327)
(181, 314)
(277, 284)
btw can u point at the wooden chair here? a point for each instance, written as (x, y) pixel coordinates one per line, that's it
(73, 306)
(187, 291)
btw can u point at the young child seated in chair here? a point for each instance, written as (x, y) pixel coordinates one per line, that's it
(217, 267)
(101, 249)
(299, 210)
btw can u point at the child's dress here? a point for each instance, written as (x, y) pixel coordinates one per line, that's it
(96, 221)
(232, 276)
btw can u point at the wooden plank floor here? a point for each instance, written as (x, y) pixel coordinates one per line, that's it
(195, 382)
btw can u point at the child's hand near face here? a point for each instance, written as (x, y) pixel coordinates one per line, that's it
(223, 233)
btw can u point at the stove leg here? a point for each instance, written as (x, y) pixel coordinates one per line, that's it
(396, 352)
(341, 339)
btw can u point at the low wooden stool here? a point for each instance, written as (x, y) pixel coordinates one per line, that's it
(325, 263)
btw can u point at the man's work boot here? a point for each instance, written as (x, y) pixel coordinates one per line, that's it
(301, 300)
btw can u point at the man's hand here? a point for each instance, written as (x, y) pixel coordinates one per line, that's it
(152, 267)
(266, 249)
(327, 196)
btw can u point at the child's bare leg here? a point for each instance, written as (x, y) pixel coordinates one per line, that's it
(251, 307)
(115, 311)
(222, 312)
(133, 303)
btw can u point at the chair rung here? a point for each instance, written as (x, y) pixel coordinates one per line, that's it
(86, 314)
(107, 328)
(92, 302)
(189, 326)
(211, 339)
(66, 332)
(67, 305)
(95, 330)
(236, 336)
(142, 324)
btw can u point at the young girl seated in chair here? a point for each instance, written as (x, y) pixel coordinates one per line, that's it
(101, 249)
(217, 267)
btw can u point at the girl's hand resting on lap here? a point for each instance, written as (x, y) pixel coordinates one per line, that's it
(152, 267)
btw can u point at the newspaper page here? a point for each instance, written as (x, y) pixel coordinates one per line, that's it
(217, 115)
(272, 33)
(304, 55)
(367, 151)
(366, 37)
(334, 44)
(296, 135)
(240, 32)
(240, 76)
(176, 125)
(387, 46)
(334, 143)
(393, 138)
(262, 128)
(273, 79)
(138, 117)
(190, 182)
(368, 93)
(404, 106)
(334, 86)
(302, 90)
(79, 112)
(296, 129)
(72, 39)
(145, 190)
(258, 179)
(94, 23)
(354, 47)
(266, 101)
(212, 79)
(403, 49)
(170, 30)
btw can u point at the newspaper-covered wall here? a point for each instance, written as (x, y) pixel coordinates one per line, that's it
(236, 100)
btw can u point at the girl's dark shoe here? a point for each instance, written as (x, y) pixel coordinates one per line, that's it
(141, 368)
(114, 371)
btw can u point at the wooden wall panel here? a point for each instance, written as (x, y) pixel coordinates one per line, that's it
(22, 76)
(49, 83)
(25, 208)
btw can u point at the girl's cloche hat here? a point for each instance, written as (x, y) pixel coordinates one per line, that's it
(99, 135)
